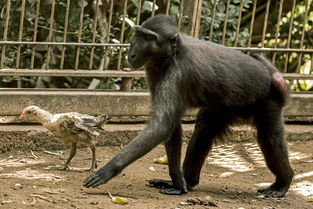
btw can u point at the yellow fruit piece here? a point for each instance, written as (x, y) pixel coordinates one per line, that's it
(118, 200)
(310, 199)
(161, 160)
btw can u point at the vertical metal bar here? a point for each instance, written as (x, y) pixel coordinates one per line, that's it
(105, 57)
(67, 12)
(212, 20)
(277, 28)
(181, 8)
(122, 36)
(311, 62)
(289, 33)
(238, 23)
(252, 23)
(153, 8)
(225, 22)
(168, 7)
(265, 22)
(198, 11)
(126, 82)
(191, 16)
(94, 30)
(32, 60)
(5, 32)
(20, 35)
(303, 34)
(50, 33)
(79, 32)
(138, 12)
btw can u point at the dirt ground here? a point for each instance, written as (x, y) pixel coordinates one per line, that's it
(231, 175)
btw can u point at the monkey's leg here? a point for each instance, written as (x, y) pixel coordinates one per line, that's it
(72, 154)
(270, 137)
(173, 150)
(207, 127)
(92, 147)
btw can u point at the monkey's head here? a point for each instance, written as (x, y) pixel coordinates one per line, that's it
(153, 40)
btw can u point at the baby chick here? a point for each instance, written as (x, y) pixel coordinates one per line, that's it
(72, 127)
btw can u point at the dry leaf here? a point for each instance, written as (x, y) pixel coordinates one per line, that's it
(250, 166)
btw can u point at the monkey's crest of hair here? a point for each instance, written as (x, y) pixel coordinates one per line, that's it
(159, 22)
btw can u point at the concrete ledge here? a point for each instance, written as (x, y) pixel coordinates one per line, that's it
(13, 101)
(117, 103)
(21, 137)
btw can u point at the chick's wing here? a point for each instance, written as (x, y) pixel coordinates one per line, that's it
(75, 123)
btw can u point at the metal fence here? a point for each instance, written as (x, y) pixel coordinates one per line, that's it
(88, 39)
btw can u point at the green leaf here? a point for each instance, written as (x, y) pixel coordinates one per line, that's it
(136, 3)
(148, 6)
(129, 22)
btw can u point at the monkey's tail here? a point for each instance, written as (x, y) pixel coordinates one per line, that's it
(279, 88)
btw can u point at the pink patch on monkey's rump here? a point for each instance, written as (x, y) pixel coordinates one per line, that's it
(279, 80)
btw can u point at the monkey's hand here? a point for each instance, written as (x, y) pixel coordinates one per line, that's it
(101, 176)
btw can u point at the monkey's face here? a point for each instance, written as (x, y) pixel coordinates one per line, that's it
(145, 45)
(153, 41)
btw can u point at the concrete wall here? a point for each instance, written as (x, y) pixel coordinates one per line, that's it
(12, 102)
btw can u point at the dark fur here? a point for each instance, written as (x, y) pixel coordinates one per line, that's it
(225, 84)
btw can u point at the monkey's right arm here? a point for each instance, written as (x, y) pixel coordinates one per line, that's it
(163, 122)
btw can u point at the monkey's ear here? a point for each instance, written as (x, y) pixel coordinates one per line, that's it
(149, 34)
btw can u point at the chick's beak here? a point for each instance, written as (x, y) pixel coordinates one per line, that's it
(23, 114)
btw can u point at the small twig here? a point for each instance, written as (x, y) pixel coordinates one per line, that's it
(41, 197)
(110, 195)
(54, 30)
(50, 153)
(7, 201)
(31, 203)
(33, 154)
(50, 192)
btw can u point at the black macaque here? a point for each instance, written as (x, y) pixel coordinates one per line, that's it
(225, 84)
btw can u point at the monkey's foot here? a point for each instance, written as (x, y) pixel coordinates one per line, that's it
(166, 187)
(161, 184)
(274, 191)
(171, 191)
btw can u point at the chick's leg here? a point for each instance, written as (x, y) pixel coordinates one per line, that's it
(72, 154)
(92, 147)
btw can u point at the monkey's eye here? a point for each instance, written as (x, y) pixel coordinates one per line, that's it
(149, 37)
(28, 111)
